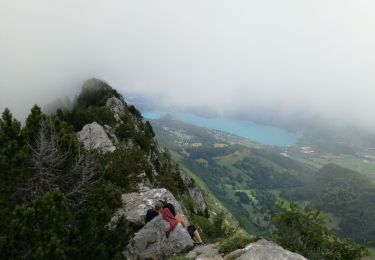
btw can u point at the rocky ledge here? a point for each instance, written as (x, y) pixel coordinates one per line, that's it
(262, 250)
(151, 242)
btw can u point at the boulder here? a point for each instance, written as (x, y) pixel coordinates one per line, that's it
(93, 136)
(262, 250)
(206, 252)
(151, 241)
(116, 106)
(196, 194)
(135, 205)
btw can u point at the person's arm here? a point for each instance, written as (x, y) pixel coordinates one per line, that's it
(183, 222)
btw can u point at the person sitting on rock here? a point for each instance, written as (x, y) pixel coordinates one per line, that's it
(169, 217)
(152, 213)
(191, 229)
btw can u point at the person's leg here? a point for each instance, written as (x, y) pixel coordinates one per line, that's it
(197, 237)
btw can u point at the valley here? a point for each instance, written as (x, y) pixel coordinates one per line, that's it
(249, 177)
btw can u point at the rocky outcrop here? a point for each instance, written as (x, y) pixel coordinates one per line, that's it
(264, 249)
(117, 107)
(151, 241)
(196, 194)
(136, 204)
(94, 136)
(111, 134)
(206, 252)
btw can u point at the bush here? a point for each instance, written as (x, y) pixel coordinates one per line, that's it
(205, 227)
(243, 197)
(40, 231)
(124, 167)
(237, 241)
(79, 116)
(304, 231)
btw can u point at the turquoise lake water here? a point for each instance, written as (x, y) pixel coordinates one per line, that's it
(264, 134)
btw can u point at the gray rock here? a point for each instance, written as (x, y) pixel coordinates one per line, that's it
(111, 134)
(130, 144)
(116, 106)
(135, 205)
(264, 250)
(151, 241)
(196, 194)
(206, 252)
(93, 136)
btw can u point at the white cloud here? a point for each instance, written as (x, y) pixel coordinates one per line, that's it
(314, 57)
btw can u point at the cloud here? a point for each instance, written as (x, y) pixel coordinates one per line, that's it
(295, 57)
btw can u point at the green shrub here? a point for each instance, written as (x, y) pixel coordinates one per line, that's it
(237, 241)
(123, 167)
(79, 116)
(205, 227)
(304, 231)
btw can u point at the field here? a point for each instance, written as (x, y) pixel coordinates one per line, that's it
(347, 161)
(371, 256)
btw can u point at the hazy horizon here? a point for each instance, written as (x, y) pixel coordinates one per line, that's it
(303, 58)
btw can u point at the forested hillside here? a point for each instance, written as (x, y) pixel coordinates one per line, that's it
(246, 179)
(250, 179)
(346, 194)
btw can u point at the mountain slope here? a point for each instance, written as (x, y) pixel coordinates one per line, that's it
(245, 178)
(346, 194)
(59, 192)
(249, 180)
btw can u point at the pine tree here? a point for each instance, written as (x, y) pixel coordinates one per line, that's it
(33, 121)
(13, 158)
(40, 231)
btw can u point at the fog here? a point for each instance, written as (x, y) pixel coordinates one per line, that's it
(293, 57)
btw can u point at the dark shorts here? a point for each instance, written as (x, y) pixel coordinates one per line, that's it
(191, 230)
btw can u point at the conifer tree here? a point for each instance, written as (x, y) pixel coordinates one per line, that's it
(33, 121)
(13, 157)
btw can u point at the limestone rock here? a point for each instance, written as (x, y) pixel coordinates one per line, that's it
(111, 134)
(206, 252)
(196, 194)
(116, 106)
(135, 205)
(93, 136)
(262, 250)
(151, 241)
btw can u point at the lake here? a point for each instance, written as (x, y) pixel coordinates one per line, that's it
(264, 134)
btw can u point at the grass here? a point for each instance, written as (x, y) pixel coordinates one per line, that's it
(237, 241)
(371, 256)
(347, 161)
(232, 158)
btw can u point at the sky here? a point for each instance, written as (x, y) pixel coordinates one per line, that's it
(294, 57)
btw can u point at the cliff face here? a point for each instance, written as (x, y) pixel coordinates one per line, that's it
(196, 194)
